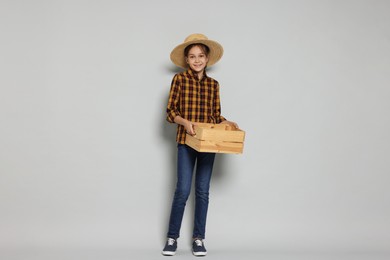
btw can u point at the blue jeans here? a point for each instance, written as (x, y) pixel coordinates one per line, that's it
(185, 168)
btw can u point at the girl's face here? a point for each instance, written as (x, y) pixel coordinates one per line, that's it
(197, 59)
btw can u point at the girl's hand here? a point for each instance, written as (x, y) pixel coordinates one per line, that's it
(232, 124)
(189, 126)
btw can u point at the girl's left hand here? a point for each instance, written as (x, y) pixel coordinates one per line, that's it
(233, 124)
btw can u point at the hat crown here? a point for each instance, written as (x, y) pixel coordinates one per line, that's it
(196, 37)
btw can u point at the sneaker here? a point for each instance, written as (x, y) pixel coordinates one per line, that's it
(170, 247)
(198, 248)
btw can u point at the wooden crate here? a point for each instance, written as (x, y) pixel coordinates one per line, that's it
(216, 138)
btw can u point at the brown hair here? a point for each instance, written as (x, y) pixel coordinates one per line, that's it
(204, 48)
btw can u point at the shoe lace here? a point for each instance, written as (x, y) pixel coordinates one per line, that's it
(171, 241)
(198, 242)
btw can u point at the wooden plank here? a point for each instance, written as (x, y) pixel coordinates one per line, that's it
(212, 126)
(214, 146)
(193, 142)
(237, 136)
(218, 132)
(221, 147)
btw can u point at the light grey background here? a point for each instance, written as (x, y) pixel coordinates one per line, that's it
(87, 160)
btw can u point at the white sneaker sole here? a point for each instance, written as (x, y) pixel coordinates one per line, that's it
(168, 253)
(199, 253)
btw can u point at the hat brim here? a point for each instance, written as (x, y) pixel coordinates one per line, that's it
(216, 52)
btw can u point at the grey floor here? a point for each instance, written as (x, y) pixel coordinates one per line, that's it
(125, 254)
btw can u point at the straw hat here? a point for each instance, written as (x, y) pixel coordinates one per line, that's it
(216, 50)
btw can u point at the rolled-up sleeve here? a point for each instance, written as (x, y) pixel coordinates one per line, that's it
(217, 106)
(173, 101)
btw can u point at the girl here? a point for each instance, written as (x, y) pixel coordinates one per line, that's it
(194, 97)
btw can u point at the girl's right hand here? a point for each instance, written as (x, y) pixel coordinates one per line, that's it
(189, 126)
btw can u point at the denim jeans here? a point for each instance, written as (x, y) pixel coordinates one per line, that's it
(185, 168)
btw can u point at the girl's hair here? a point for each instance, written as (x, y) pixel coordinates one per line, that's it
(203, 47)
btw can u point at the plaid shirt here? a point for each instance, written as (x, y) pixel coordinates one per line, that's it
(195, 100)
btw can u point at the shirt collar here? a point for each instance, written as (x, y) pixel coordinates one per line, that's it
(193, 74)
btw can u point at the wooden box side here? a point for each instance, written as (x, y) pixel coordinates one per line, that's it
(214, 146)
(193, 142)
(211, 132)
